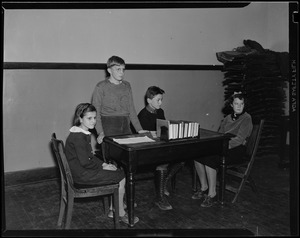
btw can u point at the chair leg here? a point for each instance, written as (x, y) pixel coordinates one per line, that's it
(116, 206)
(252, 184)
(173, 182)
(69, 211)
(194, 179)
(62, 209)
(239, 189)
(103, 203)
(172, 174)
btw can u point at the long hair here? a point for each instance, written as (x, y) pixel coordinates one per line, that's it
(81, 110)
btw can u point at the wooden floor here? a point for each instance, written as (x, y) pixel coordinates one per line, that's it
(33, 208)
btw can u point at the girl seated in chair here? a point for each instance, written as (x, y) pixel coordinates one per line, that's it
(238, 123)
(86, 168)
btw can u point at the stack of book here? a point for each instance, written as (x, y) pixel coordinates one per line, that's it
(177, 129)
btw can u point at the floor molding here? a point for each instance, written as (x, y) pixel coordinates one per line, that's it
(30, 176)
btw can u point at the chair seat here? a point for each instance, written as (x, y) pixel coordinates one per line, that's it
(244, 161)
(82, 186)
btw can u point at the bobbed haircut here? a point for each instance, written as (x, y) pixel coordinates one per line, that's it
(115, 60)
(239, 95)
(81, 110)
(227, 109)
(153, 91)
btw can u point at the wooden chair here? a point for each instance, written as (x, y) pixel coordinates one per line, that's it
(242, 171)
(71, 190)
(284, 161)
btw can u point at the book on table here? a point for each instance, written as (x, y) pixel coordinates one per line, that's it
(177, 129)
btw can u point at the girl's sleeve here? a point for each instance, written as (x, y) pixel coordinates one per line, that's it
(243, 132)
(132, 112)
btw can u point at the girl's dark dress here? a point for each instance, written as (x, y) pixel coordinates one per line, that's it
(85, 167)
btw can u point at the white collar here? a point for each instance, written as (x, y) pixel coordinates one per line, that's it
(79, 129)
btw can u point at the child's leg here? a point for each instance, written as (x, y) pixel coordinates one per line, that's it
(160, 176)
(212, 180)
(121, 197)
(202, 175)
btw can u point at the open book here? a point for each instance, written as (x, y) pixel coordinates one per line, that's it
(133, 140)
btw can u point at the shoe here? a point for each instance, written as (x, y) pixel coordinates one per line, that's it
(125, 205)
(200, 194)
(166, 192)
(163, 204)
(209, 201)
(125, 219)
(110, 214)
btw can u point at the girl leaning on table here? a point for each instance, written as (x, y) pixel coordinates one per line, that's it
(85, 167)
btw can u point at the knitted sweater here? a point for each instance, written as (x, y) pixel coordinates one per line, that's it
(148, 118)
(114, 100)
(241, 128)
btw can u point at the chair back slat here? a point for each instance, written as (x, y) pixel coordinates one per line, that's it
(253, 140)
(243, 170)
(59, 150)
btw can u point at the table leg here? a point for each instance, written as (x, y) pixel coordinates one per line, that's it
(222, 180)
(195, 176)
(130, 194)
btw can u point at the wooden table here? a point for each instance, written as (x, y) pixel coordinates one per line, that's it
(131, 156)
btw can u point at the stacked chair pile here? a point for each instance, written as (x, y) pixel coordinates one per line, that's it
(263, 75)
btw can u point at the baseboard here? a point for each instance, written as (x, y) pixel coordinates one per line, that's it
(135, 233)
(30, 176)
